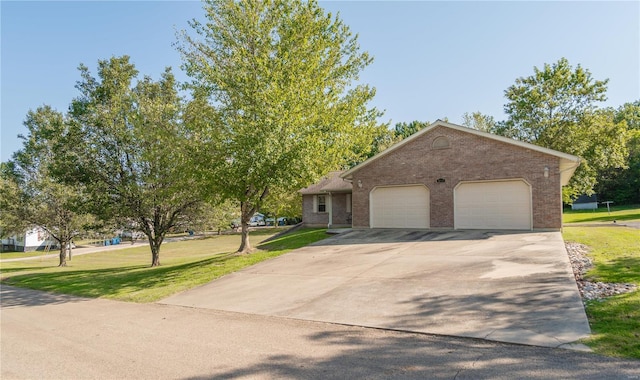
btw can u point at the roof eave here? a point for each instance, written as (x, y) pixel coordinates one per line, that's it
(567, 168)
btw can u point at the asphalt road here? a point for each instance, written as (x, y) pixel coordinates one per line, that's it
(48, 336)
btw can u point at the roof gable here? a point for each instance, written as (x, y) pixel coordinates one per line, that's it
(568, 163)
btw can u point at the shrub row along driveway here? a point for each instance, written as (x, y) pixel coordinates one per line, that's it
(509, 287)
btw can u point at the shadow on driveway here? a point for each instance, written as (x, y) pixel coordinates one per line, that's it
(510, 287)
(422, 357)
(17, 297)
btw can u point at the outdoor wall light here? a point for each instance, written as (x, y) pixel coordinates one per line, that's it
(546, 172)
(360, 184)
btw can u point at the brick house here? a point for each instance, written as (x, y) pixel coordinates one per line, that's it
(328, 202)
(448, 177)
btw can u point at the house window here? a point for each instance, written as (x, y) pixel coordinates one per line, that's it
(348, 202)
(322, 203)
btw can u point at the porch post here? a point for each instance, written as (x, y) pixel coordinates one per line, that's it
(330, 208)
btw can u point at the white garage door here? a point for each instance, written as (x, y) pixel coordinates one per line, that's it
(400, 207)
(504, 205)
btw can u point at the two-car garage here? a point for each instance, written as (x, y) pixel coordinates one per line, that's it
(504, 205)
(447, 176)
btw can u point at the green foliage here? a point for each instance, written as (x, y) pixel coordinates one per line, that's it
(630, 114)
(382, 138)
(403, 130)
(477, 120)
(11, 221)
(213, 217)
(32, 195)
(556, 107)
(385, 137)
(283, 204)
(122, 274)
(275, 83)
(133, 153)
(622, 185)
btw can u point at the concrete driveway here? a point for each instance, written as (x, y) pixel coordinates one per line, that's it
(509, 287)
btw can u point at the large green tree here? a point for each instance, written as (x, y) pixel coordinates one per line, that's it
(283, 204)
(280, 78)
(403, 130)
(622, 185)
(557, 107)
(133, 153)
(32, 194)
(477, 120)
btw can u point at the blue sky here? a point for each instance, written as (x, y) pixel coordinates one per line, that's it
(432, 59)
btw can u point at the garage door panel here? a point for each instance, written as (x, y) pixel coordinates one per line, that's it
(400, 207)
(493, 205)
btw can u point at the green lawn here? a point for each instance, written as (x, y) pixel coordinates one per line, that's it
(618, 213)
(125, 274)
(615, 321)
(15, 255)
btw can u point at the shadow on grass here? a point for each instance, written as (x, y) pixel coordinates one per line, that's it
(12, 270)
(621, 269)
(295, 240)
(616, 325)
(141, 283)
(110, 281)
(603, 215)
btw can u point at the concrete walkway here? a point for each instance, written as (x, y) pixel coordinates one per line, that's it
(508, 287)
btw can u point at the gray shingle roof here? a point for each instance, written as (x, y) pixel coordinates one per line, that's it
(331, 183)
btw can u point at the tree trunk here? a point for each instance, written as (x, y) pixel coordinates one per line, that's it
(155, 253)
(245, 245)
(63, 255)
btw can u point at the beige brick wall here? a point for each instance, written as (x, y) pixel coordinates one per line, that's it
(469, 158)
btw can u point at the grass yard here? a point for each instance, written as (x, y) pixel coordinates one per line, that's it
(125, 274)
(15, 255)
(615, 321)
(618, 213)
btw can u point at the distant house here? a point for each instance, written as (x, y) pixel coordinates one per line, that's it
(35, 239)
(446, 176)
(585, 202)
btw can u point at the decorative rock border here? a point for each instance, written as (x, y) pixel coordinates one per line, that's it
(581, 263)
